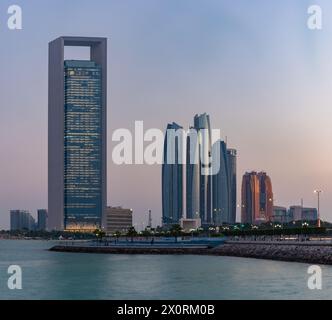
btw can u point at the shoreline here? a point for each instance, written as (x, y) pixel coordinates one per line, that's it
(314, 253)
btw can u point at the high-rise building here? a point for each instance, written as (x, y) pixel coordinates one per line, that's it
(21, 220)
(220, 185)
(172, 175)
(42, 219)
(224, 185)
(265, 196)
(118, 219)
(192, 176)
(199, 173)
(250, 198)
(232, 156)
(77, 136)
(257, 198)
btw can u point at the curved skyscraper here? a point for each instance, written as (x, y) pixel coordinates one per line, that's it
(192, 176)
(199, 173)
(266, 196)
(257, 198)
(172, 176)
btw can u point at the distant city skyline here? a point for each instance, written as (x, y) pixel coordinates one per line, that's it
(262, 76)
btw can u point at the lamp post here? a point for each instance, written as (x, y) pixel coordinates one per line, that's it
(318, 192)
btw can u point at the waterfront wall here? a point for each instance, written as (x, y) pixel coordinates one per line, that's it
(313, 253)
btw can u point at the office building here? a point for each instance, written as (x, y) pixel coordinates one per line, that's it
(232, 177)
(192, 176)
(118, 219)
(299, 213)
(42, 219)
(77, 136)
(172, 176)
(280, 214)
(21, 220)
(257, 198)
(265, 196)
(224, 184)
(199, 179)
(309, 214)
(220, 185)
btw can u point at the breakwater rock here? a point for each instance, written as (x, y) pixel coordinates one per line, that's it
(297, 252)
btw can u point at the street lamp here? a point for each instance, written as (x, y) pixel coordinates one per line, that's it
(318, 192)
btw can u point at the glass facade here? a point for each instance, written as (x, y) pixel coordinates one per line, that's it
(172, 180)
(82, 145)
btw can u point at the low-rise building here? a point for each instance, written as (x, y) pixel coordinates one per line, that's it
(118, 219)
(190, 224)
(299, 213)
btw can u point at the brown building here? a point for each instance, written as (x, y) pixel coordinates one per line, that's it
(118, 219)
(257, 198)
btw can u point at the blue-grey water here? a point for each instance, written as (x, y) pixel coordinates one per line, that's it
(52, 275)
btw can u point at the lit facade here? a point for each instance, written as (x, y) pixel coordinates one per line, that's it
(77, 136)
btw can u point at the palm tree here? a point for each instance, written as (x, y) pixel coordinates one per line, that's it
(176, 231)
(99, 234)
(132, 233)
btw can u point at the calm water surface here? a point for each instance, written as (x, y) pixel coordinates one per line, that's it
(51, 275)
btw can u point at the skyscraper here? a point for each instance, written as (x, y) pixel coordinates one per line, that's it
(172, 176)
(221, 187)
(42, 219)
(224, 185)
(192, 176)
(265, 196)
(257, 198)
(198, 173)
(77, 136)
(232, 177)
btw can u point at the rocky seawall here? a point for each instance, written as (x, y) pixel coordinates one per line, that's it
(296, 252)
(293, 252)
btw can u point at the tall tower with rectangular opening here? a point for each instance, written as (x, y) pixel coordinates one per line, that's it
(77, 106)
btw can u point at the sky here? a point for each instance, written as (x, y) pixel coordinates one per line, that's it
(254, 66)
